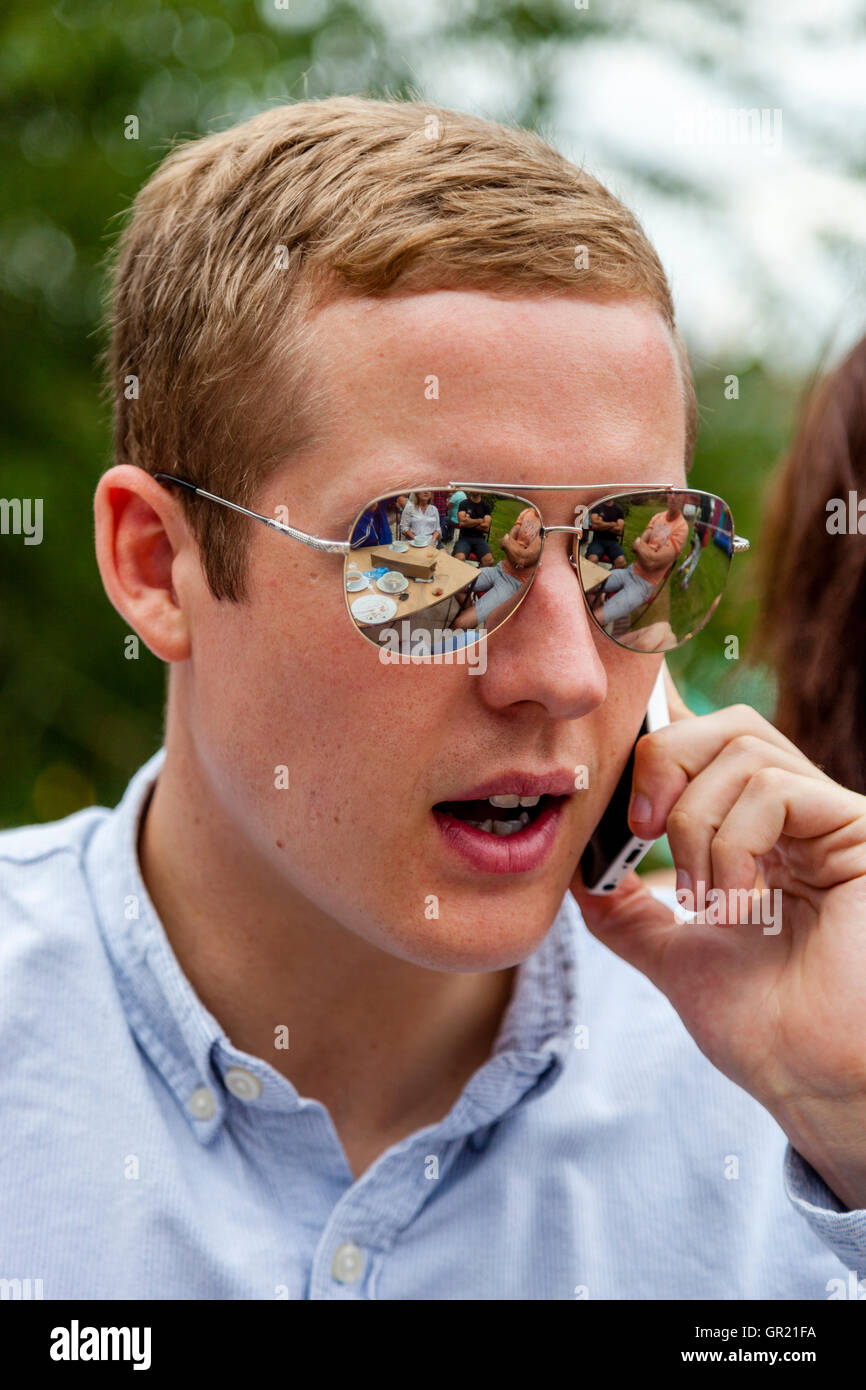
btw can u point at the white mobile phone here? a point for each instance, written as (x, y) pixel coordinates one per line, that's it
(613, 851)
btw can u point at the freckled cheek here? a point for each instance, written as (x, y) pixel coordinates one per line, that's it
(294, 585)
(301, 688)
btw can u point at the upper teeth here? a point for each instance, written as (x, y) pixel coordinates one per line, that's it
(509, 800)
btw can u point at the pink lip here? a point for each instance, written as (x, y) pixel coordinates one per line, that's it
(515, 854)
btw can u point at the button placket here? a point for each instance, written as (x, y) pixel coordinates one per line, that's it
(370, 1216)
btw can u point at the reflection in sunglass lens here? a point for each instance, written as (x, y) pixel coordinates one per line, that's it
(431, 571)
(653, 565)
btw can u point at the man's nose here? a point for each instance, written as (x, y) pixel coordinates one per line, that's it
(546, 652)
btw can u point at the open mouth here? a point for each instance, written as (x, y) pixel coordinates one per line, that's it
(503, 816)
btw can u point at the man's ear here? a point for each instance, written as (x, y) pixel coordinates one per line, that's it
(140, 534)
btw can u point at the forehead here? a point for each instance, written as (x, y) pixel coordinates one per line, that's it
(454, 384)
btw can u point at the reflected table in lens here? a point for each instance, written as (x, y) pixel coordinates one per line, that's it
(450, 575)
(591, 573)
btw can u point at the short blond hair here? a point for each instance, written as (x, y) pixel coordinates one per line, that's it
(238, 235)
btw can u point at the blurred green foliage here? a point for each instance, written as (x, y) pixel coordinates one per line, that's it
(76, 716)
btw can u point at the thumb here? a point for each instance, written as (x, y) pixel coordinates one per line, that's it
(630, 921)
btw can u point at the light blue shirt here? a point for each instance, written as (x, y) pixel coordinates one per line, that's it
(596, 1153)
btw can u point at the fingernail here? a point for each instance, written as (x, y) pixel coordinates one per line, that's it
(640, 808)
(684, 882)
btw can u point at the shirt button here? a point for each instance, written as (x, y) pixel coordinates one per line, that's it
(202, 1103)
(348, 1263)
(243, 1084)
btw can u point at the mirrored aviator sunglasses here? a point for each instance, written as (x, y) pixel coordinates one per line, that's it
(431, 570)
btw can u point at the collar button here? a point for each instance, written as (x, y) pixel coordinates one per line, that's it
(201, 1103)
(243, 1084)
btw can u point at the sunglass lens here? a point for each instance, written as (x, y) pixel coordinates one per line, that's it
(654, 565)
(431, 571)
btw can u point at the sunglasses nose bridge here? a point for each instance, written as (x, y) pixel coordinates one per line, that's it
(577, 531)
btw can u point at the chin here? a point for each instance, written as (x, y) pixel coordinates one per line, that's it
(476, 933)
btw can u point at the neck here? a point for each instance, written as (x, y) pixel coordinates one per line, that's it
(384, 1044)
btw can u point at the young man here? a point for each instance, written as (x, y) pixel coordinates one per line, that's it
(278, 1026)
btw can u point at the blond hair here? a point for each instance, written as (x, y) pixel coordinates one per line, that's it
(238, 235)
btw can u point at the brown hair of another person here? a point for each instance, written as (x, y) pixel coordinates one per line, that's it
(812, 628)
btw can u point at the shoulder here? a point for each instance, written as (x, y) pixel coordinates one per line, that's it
(31, 844)
(55, 972)
(42, 876)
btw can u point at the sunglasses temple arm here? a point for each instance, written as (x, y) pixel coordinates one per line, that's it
(315, 542)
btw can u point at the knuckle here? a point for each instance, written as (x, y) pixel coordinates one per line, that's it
(723, 847)
(746, 745)
(648, 748)
(768, 779)
(681, 824)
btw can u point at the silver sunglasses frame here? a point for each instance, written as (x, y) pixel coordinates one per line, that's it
(739, 544)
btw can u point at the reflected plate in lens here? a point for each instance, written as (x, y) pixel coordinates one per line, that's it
(373, 608)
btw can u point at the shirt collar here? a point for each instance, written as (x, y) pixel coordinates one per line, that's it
(192, 1052)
